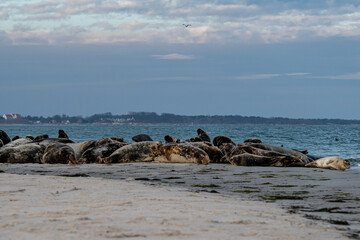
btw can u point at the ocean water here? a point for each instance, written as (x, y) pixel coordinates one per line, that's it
(342, 141)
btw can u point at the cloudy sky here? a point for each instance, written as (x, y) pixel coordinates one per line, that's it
(288, 58)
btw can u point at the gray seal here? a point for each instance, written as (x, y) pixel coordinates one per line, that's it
(141, 138)
(4, 137)
(247, 159)
(23, 153)
(218, 141)
(203, 135)
(59, 153)
(179, 153)
(134, 152)
(334, 163)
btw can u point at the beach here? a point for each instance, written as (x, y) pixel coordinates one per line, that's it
(176, 201)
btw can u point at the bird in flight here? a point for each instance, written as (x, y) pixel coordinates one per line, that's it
(187, 25)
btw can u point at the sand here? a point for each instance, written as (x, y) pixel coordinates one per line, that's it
(125, 201)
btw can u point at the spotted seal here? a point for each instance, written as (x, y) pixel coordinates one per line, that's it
(59, 153)
(18, 142)
(334, 163)
(22, 153)
(134, 152)
(93, 152)
(179, 153)
(213, 152)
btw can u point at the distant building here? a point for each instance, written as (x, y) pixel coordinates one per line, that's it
(11, 116)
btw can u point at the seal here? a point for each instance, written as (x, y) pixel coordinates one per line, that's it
(334, 163)
(59, 153)
(253, 140)
(117, 139)
(179, 153)
(1, 143)
(214, 153)
(103, 150)
(171, 139)
(4, 137)
(218, 141)
(30, 137)
(282, 150)
(62, 134)
(247, 159)
(23, 153)
(194, 139)
(141, 138)
(41, 137)
(18, 142)
(203, 135)
(15, 138)
(48, 141)
(134, 152)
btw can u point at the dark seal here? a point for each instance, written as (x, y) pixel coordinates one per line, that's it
(4, 137)
(141, 138)
(220, 140)
(62, 134)
(203, 135)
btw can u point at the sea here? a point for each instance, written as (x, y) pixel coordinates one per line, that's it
(320, 141)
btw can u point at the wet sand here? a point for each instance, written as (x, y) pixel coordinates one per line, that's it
(177, 201)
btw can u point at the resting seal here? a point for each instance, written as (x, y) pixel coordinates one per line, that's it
(253, 140)
(171, 139)
(99, 149)
(334, 163)
(213, 152)
(18, 142)
(179, 153)
(23, 153)
(134, 152)
(15, 138)
(218, 141)
(41, 137)
(141, 138)
(247, 159)
(59, 153)
(282, 150)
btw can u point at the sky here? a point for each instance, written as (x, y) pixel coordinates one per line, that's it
(268, 58)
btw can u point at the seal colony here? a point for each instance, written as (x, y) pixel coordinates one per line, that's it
(197, 150)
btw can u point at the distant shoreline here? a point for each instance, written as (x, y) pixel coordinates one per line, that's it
(179, 125)
(168, 119)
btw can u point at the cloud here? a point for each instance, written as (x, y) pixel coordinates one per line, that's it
(297, 74)
(352, 76)
(173, 56)
(257, 76)
(268, 76)
(161, 20)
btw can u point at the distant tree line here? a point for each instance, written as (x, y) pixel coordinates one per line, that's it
(168, 118)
